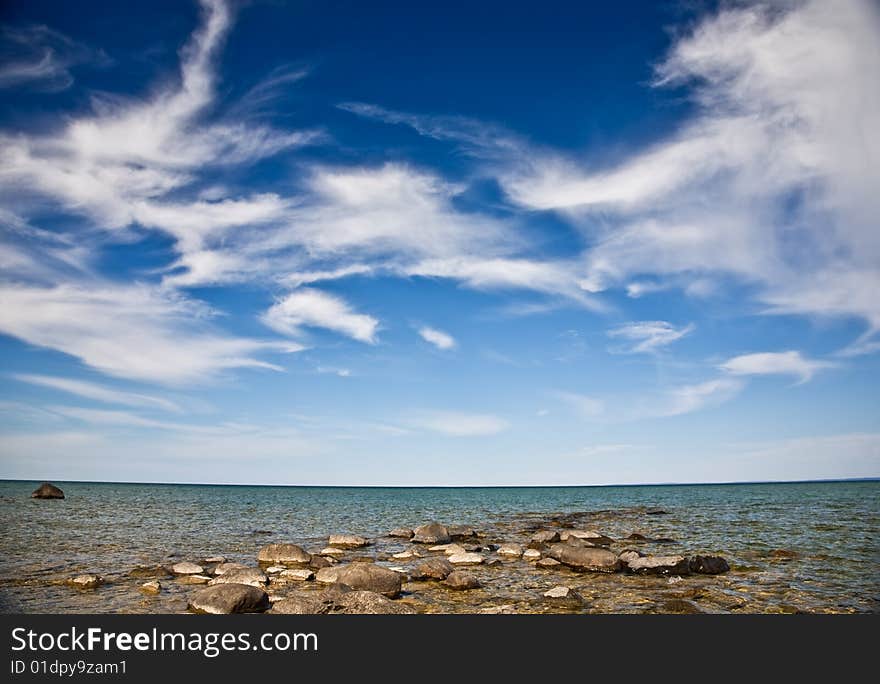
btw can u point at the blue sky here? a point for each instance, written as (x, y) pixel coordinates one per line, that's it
(327, 243)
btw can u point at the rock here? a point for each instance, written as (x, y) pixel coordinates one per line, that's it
(369, 603)
(473, 548)
(223, 568)
(466, 559)
(251, 576)
(662, 540)
(545, 537)
(585, 558)
(47, 491)
(370, 577)
(506, 609)
(782, 554)
(548, 563)
(531, 555)
(409, 554)
(187, 568)
(224, 599)
(708, 565)
(86, 581)
(681, 606)
(460, 581)
(326, 575)
(635, 536)
(656, 511)
(193, 579)
(460, 532)
(283, 554)
(299, 605)
(433, 568)
(659, 565)
(628, 555)
(591, 537)
(513, 550)
(298, 575)
(151, 587)
(347, 540)
(432, 533)
(215, 559)
(149, 571)
(275, 569)
(561, 592)
(332, 551)
(492, 562)
(401, 533)
(317, 562)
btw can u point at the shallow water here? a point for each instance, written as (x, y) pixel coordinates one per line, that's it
(830, 529)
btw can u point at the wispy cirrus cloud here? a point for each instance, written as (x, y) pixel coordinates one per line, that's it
(649, 336)
(438, 338)
(97, 392)
(459, 423)
(309, 308)
(775, 363)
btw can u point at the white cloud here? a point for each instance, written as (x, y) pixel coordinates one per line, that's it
(91, 390)
(775, 363)
(690, 398)
(316, 309)
(460, 424)
(586, 406)
(438, 338)
(333, 370)
(128, 331)
(649, 336)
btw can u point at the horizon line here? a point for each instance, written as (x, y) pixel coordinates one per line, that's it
(871, 478)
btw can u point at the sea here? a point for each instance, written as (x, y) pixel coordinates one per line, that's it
(792, 547)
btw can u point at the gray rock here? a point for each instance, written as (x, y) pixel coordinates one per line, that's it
(545, 537)
(708, 565)
(283, 554)
(326, 575)
(297, 574)
(86, 581)
(187, 568)
(409, 554)
(659, 565)
(299, 605)
(629, 555)
(193, 579)
(432, 533)
(512, 550)
(681, 606)
(332, 551)
(47, 491)
(317, 562)
(223, 568)
(369, 603)
(151, 587)
(461, 532)
(370, 577)
(149, 571)
(433, 568)
(461, 581)
(506, 609)
(561, 592)
(589, 537)
(548, 563)
(588, 558)
(401, 533)
(215, 559)
(251, 576)
(347, 541)
(224, 599)
(466, 559)
(531, 555)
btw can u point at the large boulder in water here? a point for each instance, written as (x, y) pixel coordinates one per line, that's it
(708, 565)
(352, 541)
(47, 491)
(433, 568)
(224, 599)
(284, 554)
(659, 565)
(370, 577)
(251, 576)
(585, 558)
(432, 533)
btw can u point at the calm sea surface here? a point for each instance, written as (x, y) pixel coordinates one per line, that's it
(792, 547)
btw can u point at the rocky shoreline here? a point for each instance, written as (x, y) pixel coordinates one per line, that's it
(353, 574)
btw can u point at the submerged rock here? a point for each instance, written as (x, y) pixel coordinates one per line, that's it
(433, 568)
(506, 609)
(347, 540)
(149, 571)
(590, 537)
(224, 599)
(370, 577)
(283, 554)
(47, 491)
(461, 532)
(432, 533)
(151, 587)
(409, 554)
(585, 558)
(187, 568)
(708, 565)
(369, 603)
(193, 579)
(681, 606)
(250, 576)
(461, 581)
(86, 581)
(659, 565)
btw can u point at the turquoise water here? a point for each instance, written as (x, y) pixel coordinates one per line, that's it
(830, 530)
